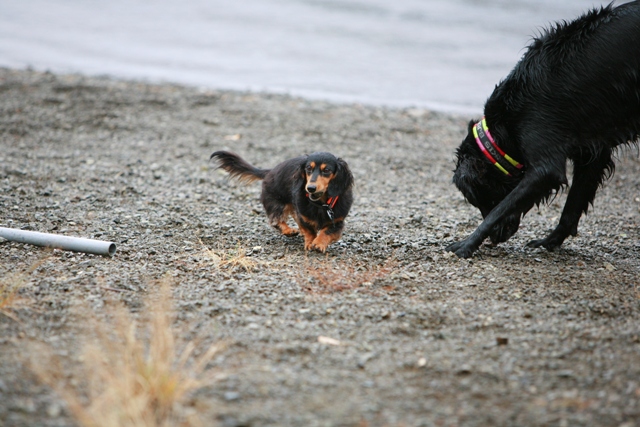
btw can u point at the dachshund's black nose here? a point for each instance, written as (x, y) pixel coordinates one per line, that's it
(311, 188)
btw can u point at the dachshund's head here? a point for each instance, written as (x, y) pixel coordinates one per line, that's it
(326, 174)
(484, 186)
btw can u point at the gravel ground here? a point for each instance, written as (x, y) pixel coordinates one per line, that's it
(511, 337)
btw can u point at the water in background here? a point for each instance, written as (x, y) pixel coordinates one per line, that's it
(444, 55)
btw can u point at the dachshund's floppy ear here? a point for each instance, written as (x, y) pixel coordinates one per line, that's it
(300, 174)
(342, 181)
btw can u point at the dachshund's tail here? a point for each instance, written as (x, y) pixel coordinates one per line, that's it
(237, 167)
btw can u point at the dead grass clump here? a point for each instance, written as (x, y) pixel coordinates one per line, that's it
(330, 277)
(232, 259)
(133, 375)
(10, 284)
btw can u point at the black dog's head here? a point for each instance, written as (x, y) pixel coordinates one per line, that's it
(483, 185)
(326, 174)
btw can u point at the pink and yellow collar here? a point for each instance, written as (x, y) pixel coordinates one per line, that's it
(490, 149)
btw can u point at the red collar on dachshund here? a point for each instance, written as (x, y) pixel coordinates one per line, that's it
(490, 149)
(331, 202)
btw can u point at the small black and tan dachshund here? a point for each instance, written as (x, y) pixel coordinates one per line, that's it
(574, 95)
(315, 189)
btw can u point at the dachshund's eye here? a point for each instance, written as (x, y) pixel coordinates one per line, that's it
(326, 172)
(308, 169)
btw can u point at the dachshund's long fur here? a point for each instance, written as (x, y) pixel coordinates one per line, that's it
(575, 94)
(315, 189)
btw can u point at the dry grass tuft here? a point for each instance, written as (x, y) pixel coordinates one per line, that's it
(330, 277)
(133, 375)
(233, 259)
(9, 287)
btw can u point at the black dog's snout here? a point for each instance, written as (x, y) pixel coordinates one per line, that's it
(311, 188)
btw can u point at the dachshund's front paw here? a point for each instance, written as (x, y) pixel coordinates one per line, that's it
(322, 242)
(319, 246)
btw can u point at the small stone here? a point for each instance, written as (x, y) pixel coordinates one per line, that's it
(230, 396)
(54, 410)
(328, 341)
(464, 370)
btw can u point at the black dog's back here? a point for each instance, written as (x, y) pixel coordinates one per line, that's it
(583, 77)
(574, 95)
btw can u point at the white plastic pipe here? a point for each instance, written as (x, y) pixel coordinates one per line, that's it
(76, 244)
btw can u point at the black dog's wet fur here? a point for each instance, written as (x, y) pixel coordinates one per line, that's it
(575, 94)
(284, 193)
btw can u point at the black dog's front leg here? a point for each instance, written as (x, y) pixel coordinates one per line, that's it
(531, 189)
(587, 177)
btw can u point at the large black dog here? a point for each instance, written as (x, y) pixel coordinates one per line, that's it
(575, 94)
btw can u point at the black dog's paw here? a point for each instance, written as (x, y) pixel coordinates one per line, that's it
(555, 239)
(548, 243)
(461, 249)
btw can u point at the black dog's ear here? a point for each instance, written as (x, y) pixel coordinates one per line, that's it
(464, 179)
(465, 173)
(342, 181)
